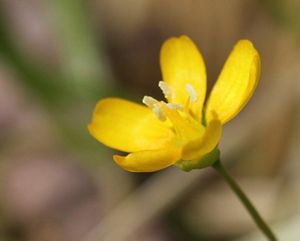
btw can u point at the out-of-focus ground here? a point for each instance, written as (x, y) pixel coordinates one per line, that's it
(58, 57)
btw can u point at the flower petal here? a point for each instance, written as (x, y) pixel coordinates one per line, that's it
(127, 126)
(149, 161)
(182, 64)
(198, 148)
(236, 82)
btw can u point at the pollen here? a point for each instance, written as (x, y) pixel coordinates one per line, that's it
(192, 92)
(166, 89)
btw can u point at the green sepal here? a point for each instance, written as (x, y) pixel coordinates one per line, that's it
(206, 161)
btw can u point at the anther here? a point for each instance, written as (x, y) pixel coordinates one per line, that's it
(166, 89)
(159, 112)
(192, 92)
(174, 106)
(149, 101)
(155, 106)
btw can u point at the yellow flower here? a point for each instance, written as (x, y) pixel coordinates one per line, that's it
(182, 130)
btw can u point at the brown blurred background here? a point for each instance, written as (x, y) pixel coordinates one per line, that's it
(58, 57)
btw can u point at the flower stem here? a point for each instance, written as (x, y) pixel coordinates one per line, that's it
(246, 202)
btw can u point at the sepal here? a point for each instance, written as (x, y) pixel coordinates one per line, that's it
(206, 161)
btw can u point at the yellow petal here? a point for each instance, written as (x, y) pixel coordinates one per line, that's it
(236, 82)
(182, 64)
(127, 126)
(198, 148)
(149, 161)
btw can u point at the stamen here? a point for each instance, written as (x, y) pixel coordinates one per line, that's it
(174, 106)
(158, 111)
(192, 92)
(166, 89)
(150, 101)
(155, 106)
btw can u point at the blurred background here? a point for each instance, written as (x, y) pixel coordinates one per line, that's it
(58, 57)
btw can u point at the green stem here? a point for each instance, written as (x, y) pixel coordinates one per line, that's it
(246, 202)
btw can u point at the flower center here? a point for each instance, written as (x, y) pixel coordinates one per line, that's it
(179, 116)
(156, 106)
